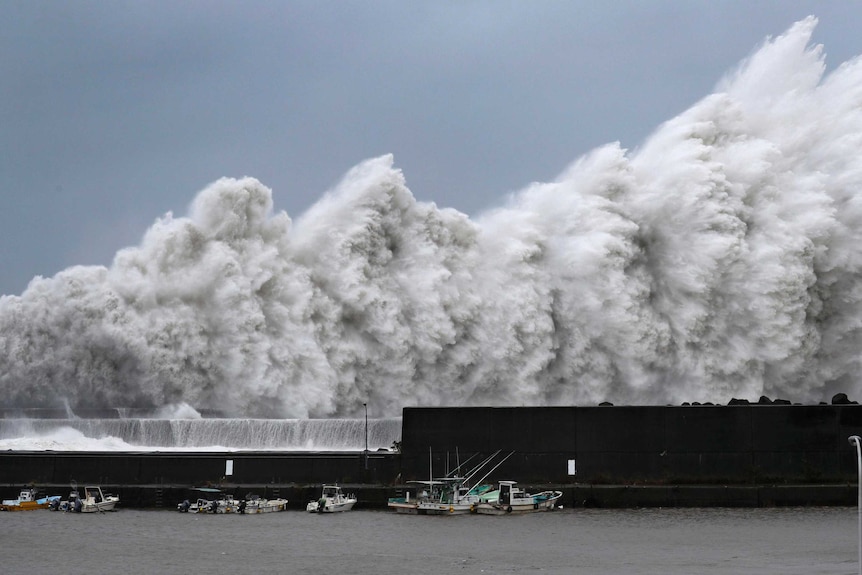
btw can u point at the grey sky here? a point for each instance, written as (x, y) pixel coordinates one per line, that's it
(113, 113)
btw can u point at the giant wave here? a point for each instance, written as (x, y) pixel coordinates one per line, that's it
(722, 258)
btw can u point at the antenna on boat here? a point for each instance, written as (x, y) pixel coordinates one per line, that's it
(855, 440)
(430, 472)
(482, 464)
(457, 469)
(495, 467)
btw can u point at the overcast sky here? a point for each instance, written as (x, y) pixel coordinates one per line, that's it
(116, 112)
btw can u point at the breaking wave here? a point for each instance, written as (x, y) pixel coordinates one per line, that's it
(145, 434)
(722, 258)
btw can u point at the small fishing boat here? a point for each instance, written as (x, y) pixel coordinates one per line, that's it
(255, 504)
(28, 500)
(331, 500)
(452, 495)
(209, 500)
(509, 498)
(93, 501)
(409, 502)
(455, 495)
(66, 504)
(454, 498)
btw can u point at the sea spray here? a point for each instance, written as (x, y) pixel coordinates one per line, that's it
(212, 434)
(719, 259)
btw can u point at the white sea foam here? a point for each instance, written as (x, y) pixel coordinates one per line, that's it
(63, 438)
(180, 410)
(719, 259)
(213, 434)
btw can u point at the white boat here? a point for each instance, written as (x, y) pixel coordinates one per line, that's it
(255, 504)
(453, 498)
(67, 504)
(209, 500)
(331, 500)
(409, 503)
(451, 495)
(93, 501)
(509, 498)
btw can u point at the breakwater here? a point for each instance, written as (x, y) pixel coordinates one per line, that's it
(629, 445)
(625, 456)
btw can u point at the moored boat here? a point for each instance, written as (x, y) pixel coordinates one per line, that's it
(331, 500)
(413, 497)
(255, 504)
(403, 504)
(93, 501)
(453, 498)
(28, 500)
(209, 500)
(509, 498)
(451, 495)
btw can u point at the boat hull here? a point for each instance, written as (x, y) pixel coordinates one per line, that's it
(546, 501)
(100, 507)
(24, 506)
(332, 500)
(269, 506)
(444, 508)
(28, 501)
(405, 507)
(314, 507)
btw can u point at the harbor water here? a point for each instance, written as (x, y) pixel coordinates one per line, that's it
(786, 541)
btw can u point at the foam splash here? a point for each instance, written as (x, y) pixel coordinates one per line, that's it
(63, 438)
(180, 410)
(720, 259)
(214, 434)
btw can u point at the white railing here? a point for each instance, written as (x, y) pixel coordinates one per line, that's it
(855, 440)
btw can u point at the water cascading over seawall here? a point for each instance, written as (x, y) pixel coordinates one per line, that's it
(141, 434)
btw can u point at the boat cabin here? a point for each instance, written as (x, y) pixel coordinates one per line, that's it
(331, 491)
(509, 491)
(25, 496)
(93, 494)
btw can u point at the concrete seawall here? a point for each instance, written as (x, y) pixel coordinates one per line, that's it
(739, 444)
(736, 456)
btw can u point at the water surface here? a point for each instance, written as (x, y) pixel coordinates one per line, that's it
(787, 541)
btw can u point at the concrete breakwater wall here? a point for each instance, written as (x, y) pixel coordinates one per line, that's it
(630, 445)
(164, 479)
(740, 455)
(179, 468)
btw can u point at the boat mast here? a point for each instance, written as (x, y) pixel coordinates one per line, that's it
(430, 474)
(495, 467)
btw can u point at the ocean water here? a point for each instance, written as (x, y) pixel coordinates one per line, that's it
(784, 541)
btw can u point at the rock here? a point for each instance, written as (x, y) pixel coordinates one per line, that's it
(841, 399)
